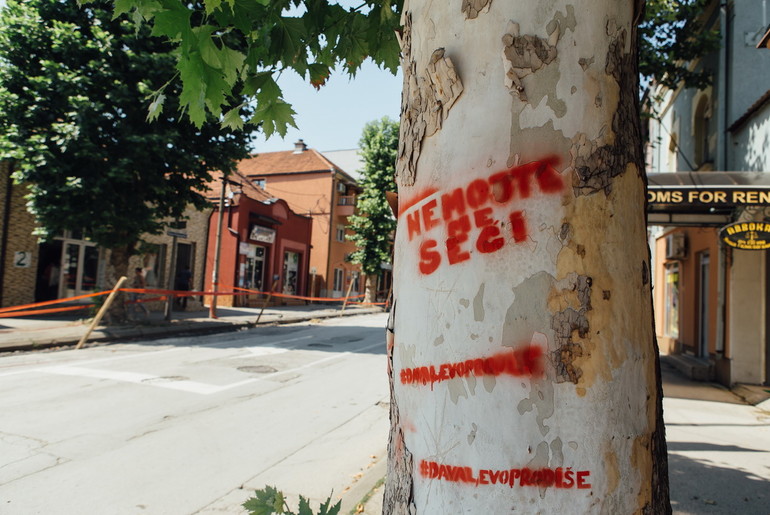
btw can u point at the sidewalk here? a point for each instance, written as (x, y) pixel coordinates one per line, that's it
(29, 333)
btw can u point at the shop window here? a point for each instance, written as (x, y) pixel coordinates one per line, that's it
(671, 314)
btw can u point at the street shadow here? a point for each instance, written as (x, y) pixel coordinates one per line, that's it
(343, 336)
(698, 486)
(702, 446)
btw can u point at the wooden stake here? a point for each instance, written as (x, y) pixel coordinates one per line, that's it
(347, 295)
(267, 300)
(102, 311)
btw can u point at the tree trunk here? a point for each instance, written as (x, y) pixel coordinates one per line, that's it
(118, 267)
(523, 360)
(369, 288)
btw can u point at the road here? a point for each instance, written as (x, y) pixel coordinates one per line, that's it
(193, 425)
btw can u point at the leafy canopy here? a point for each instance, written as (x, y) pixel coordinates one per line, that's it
(74, 87)
(672, 35)
(230, 48)
(374, 221)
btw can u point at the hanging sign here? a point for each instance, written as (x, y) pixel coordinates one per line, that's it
(263, 234)
(747, 235)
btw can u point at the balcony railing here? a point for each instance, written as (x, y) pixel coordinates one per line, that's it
(346, 200)
(346, 205)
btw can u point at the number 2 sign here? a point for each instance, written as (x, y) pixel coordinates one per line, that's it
(22, 259)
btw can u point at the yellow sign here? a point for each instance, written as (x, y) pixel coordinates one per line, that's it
(713, 197)
(747, 235)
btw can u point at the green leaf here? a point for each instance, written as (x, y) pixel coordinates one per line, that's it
(156, 107)
(193, 96)
(286, 39)
(304, 507)
(325, 510)
(121, 7)
(254, 82)
(232, 119)
(274, 117)
(172, 21)
(319, 74)
(263, 502)
(212, 5)
(232, 63)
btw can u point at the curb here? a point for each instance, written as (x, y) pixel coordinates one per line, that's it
(188, 327)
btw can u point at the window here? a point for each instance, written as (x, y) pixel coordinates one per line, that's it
(260, 183)
(339, 280)
(671, 314)
(701, 132)
(356, 284)
(342, 188)
(340, 233)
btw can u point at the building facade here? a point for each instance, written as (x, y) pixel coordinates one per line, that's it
(314, 186)
(708, 164)
(71, 264)
(264, 245)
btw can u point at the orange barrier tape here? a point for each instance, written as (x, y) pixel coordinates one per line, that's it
(43, 311)
(57, 301)
(300, 297)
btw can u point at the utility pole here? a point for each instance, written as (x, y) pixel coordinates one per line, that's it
(215, 272)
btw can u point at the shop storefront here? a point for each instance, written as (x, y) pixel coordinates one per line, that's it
(264, 245)
(712, 297)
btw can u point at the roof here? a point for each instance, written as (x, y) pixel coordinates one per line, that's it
(236, 181)
(289, 162)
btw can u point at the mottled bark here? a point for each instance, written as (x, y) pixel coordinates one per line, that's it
(521, 351)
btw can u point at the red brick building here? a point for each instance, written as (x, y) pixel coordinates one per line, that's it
(265, 245)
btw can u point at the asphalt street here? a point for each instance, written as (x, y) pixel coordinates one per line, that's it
(193, 425)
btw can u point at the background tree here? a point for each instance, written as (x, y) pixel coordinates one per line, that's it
(74, 88)
(672, 35)
(373, 225)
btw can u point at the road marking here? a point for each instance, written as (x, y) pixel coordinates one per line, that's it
(184, 385)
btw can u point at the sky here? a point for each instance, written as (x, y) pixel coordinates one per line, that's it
(333, 117)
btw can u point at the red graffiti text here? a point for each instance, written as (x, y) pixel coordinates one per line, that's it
(470, 209)
(543, 477)
(526, 361)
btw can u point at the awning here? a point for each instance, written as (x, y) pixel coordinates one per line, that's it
(703, 198)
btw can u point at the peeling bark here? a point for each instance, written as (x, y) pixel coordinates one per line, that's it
(426, 100)
(596, 165)
(472, 8)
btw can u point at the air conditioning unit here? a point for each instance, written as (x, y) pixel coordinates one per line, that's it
(676, 246)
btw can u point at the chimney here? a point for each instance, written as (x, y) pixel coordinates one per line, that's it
(299, 146)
